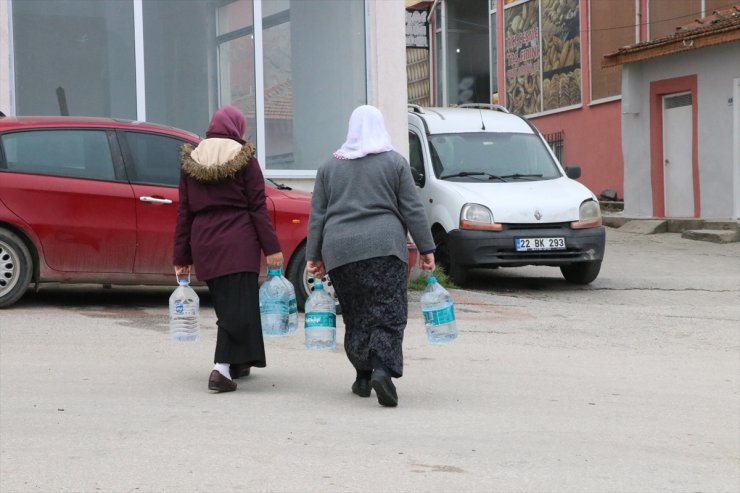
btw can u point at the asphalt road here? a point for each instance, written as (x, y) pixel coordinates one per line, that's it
(629, 384)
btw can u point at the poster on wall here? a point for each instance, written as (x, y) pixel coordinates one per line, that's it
(522, 58)
(417, 29)
(543, 55)
(561, 54)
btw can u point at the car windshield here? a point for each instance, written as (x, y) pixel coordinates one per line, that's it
(488, 156)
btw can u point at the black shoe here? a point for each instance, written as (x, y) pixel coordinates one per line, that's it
(361, 387)
(220, 383)
(239, 371)
(384, 388)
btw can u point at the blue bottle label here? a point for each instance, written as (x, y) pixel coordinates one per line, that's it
(439, 317)
(273, 307)
(320, 319)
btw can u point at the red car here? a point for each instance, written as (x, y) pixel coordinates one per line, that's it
(94, 200)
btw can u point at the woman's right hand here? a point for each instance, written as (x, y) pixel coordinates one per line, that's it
(315, 268)
(427, 262)
(183, 270)
(274, 260)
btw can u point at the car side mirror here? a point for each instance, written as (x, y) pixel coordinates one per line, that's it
(573, 172)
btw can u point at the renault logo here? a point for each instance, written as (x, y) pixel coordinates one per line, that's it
(537, 214)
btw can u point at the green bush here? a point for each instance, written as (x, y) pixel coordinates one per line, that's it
(419, 283)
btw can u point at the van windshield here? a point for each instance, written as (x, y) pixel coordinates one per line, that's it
(488, 156)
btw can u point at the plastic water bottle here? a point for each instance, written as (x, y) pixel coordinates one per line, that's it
(184, 312)
(439, 313)
(292, 306)
(274, 304)
(321, 319)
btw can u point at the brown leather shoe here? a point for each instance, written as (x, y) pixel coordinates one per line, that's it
(239, 371)
(220, 383)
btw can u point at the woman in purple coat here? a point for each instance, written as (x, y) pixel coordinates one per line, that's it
(222, 229)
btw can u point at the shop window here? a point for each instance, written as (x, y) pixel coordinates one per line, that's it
(180, 51)
(494, 57)
(611, 29)
(314, 76)
(74, 57)
(236, 54)
(468, 77)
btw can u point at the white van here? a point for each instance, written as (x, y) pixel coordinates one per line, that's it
(496, 195)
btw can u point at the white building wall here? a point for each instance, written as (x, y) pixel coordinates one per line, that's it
(715, 67)
(387, 67)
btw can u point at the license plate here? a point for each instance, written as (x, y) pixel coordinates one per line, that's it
(532, 244)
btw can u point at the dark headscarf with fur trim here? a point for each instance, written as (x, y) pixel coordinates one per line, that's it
(228, 122)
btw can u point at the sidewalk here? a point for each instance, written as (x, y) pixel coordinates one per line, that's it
(715, 231)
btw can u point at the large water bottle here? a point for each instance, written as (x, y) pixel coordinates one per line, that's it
(439, 313)
(320, 319)
(184, 312)
(274, 304)
(292, 306)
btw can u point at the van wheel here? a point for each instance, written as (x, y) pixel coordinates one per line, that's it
(16, 268)
(581, 272)
(443, 258)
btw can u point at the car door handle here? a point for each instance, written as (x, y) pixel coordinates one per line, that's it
(155, 200)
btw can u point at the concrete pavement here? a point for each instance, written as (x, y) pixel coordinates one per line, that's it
(631, 384)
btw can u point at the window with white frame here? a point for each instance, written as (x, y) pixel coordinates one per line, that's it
(297, 79)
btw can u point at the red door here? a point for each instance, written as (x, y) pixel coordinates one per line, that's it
(153, 165)
(62, 184)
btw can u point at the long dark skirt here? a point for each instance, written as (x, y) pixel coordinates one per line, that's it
(372, 293)
(236, 302)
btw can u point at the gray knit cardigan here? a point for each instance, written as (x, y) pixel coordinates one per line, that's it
(362, 208)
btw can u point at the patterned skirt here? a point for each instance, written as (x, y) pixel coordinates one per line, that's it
(374, 303)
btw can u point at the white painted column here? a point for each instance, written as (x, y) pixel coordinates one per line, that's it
(386, 63)
(139, 61)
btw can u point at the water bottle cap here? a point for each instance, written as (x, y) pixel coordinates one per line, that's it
(277, 271)
(183, 282)
(318, 285)
(431, 280)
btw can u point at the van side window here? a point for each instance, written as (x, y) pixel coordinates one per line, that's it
(416, 159)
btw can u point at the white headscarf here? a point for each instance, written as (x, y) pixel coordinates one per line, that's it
(366, 134)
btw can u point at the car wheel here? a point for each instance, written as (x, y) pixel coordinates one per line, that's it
(302, 282)
(16, 268)
(443, 258)
(581, 272)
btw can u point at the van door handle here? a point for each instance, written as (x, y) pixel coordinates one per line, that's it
(155, 200)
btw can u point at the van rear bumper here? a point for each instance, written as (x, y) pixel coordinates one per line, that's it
(498, 248)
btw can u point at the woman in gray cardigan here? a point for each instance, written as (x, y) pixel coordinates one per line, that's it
(364, 203)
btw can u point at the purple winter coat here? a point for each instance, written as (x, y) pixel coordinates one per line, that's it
(223, 224)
